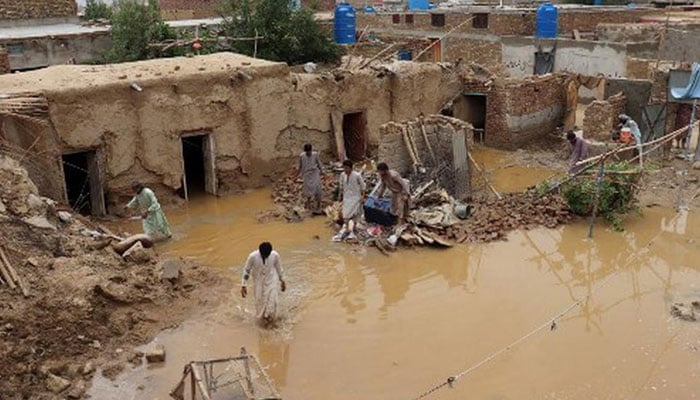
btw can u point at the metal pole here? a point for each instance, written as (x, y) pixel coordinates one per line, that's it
(599, 185)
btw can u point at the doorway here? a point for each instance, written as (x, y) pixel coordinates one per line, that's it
(355, 135)
(81, 176)
(471, 108)
(198, 165)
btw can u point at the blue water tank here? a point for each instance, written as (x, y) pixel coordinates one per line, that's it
(405, 55)
(344, 24)
(547, 21)
(418, 4)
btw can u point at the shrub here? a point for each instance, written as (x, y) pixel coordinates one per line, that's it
(294, 37)
(135, 25)
(97, 9)
(617, 192)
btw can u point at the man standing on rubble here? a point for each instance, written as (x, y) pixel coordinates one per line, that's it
(579, 153)
(351, 193)
(153, 218)
(400, 191)
(264, 266)
(310, 169)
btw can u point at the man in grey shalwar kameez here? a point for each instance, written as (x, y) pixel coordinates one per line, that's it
(310, 169)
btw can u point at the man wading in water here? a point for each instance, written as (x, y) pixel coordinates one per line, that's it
(264, 266)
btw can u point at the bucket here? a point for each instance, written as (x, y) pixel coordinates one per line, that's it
(626, 136)
(462, 211)
(405, 55)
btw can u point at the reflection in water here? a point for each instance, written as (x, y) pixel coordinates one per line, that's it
(361, 325)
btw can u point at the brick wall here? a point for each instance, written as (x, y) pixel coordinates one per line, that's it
(4, 61)
(483, 52)
(519, 112)
(643, 32)
(638, 68)
(600, 117)
(188, 9)
(522, 23)
(37, 9)
(320, 5)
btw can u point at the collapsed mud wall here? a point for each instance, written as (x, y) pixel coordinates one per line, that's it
(435, 143)
(600, 118)
(256, 114)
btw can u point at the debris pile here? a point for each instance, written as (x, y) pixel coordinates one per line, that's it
(686, 311)
(436, 219)
(82, 300)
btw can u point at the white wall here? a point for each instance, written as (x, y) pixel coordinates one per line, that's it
(584, 57)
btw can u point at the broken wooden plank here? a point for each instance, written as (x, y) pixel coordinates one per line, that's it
(337, 125)
(200, 384)
(427, 142)
(13, 274)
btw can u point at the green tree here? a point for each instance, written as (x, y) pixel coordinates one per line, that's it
(291, 36)
(97, 9)
(135, 25)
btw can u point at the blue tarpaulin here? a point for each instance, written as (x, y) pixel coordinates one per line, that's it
(692, 90)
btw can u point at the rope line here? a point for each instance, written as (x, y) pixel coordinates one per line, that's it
(549, 323)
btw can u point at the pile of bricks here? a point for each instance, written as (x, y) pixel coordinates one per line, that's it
(37, 9)
(4, 61)
(601, 117)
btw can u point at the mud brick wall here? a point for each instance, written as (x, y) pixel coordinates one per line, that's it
(659, 86)
(484, 52)
(600, 117)
(37, 9)
(628, 32)
(587, 21)
(534, 108)
(638, 68)
(188, 9)
(4, 61)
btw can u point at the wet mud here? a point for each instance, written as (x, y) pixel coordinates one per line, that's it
(361, 325)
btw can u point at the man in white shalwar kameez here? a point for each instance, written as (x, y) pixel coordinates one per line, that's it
(263, 265)
(351, 193)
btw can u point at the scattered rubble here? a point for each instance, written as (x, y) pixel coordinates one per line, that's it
(433, 222)
(157, 355)
(81, 298)
(686, 311)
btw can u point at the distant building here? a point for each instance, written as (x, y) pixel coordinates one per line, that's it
(188, 9)
(31, 12)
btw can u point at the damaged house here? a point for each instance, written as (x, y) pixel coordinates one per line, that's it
(212, 124)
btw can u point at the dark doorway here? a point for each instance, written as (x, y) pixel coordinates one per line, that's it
(82, 181)
(472, 108)
(355, 135)
(198, 165)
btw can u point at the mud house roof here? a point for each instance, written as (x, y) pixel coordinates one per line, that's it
(84, 77)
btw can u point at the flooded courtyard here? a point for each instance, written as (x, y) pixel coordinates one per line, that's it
(361, 325)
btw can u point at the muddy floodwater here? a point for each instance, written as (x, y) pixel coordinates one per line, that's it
(360, 325)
